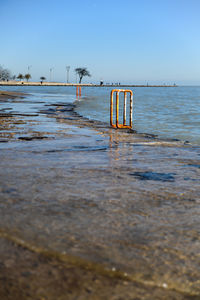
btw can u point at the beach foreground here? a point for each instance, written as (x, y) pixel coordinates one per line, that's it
(89, 212)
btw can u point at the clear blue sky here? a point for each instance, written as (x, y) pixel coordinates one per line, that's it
(140, 41)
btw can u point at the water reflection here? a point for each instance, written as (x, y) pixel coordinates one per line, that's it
(106, 196)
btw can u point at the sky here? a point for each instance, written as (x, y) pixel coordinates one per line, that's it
(136, 42)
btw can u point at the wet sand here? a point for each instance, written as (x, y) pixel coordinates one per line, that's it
(89, 212)
(5, 95)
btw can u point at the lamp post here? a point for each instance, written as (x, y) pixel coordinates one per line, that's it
(67, 68)
(28, 72)
(51, 69)
(29, 69)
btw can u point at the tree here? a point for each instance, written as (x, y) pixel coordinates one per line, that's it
(4, 74)
(27, 76)
(82, 72)
(20, 76)
(42, 78)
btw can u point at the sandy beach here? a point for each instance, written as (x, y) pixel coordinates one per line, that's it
(90, 212)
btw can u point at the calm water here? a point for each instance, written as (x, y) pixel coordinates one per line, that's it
(99, 195)
(168, 112)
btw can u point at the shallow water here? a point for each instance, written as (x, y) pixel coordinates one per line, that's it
(169, 112)
(109, 197)
(172, 112)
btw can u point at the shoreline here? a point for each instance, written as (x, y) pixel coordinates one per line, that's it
(15, 83)
(8, 94)
(77, 119)
(73, 187)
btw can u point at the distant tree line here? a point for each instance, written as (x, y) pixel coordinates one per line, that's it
(5, 75)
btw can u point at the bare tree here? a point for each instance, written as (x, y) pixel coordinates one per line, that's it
(81, 73)
(27, 76)
(4, 74)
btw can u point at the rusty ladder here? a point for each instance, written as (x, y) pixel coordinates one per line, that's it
(124, 125)
(78, 91)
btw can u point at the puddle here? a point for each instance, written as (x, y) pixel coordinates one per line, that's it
(154, 176)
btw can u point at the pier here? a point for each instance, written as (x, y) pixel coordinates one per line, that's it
(23, 83)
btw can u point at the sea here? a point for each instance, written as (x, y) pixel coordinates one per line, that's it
(168, 112)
